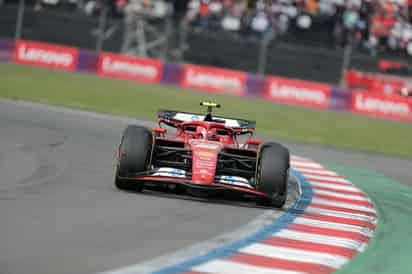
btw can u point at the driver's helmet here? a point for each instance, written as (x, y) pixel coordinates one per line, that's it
(212, 135)
(200, 132)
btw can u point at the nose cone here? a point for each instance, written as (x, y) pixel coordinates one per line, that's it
(204, 159)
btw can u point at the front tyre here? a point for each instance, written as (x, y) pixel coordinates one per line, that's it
(272, 174)
(134, 156)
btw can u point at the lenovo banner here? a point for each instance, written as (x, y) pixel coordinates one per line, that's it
(214, 80)
(298, 92)
(131, 68)
(46, 55)
(382, 106)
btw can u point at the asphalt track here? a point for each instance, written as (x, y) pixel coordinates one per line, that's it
(59, 212)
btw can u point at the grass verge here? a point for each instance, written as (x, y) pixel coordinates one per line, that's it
(89, 92)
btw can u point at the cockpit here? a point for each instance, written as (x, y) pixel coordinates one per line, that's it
(208, 132)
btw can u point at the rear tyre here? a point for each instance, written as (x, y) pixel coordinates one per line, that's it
(272, 174)
(134, 156)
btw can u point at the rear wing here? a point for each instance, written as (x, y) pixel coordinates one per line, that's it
(171, 117)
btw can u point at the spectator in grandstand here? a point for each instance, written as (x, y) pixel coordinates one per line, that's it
(192, 12)
(400, 35)
(152, 8)
(283, 12)
(199, 13)
(233, 16)
(215, 14)
(204, 14)
(65, 5)
(260, 23)
(311, 7)
(92, 7)
(350, 20)
(381, 24)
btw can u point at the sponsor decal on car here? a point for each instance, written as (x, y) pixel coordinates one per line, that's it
(298, 92)
(214, 79)
(188, 117)
(131, 68)
(233, 180)
(170, 172)
(204, 144)
(46, 55)
(197, 118)
(382, 106)
(204, 164)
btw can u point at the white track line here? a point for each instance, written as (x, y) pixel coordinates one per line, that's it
(334, 213)
(316, 171)
(343, 205)
(305, 165)
(319, 239)
(228, 267)
(330, 180)
(334, 261)
(340, 195)
(325, 224)
(337, 187)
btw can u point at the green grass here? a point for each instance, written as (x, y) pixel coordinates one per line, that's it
(132, 99)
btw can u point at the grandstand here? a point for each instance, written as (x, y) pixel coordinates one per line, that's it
(329, 41)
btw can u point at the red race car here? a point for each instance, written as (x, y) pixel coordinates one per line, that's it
(202, 157)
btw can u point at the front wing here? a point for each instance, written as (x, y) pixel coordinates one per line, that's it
(189, 183)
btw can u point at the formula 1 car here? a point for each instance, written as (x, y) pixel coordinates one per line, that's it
(203, 157)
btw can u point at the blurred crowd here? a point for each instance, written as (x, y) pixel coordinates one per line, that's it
(376, 25)
(261, 18)
(116, 8)
(370, 25)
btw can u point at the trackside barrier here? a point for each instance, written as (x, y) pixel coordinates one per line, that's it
(46, 55)
(88, 61)
(215, 80)
(209, 79)
(298, 92)
(130, 68)
(6, 50)
(340, 99)
(374, 104)
(375, 82)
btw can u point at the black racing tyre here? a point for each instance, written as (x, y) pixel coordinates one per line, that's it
(272, 174)
(134, 155)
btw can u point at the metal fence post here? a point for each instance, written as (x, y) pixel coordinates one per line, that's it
(101, 33)
(347, 54)
(263, 52)
(19, 22)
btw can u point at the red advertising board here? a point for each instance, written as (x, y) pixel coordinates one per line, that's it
(46, 55)
(393, 107)
(214, 80)
(131, 68)
(298, 92)
(377, 83)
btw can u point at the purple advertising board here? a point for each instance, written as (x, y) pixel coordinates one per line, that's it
(340, 99)
(6, 50)
(88, 61)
